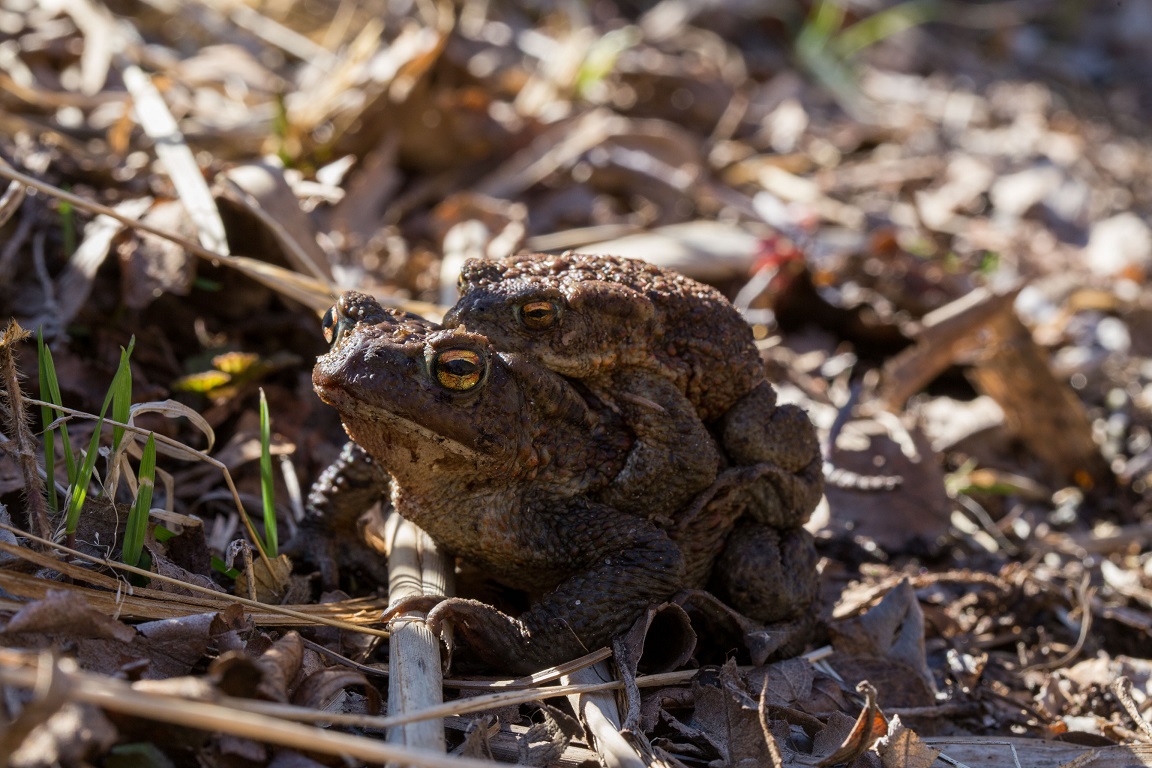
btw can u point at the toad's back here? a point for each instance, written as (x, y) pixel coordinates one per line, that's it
(630, 313)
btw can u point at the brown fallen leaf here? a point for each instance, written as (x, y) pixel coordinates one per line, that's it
(66, 613)
(269, 585)
(69, 736)
(280, 666)
(912, 511)
(887, 643)
(902, 748)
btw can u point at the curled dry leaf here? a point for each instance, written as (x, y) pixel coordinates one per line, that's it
(174, 409)
(545, 740)
(261, 193)
(321, 688)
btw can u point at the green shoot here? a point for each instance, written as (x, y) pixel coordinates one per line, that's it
(219, 566)
(267, 485)
(602, 56)
(989, 263)
(49, 434)
(280, 127)
(79, 491)
(138, 517)
(827, 48)
(50, 392)
(882, 24)
(122, 394)
(68, 224)
(46, 419)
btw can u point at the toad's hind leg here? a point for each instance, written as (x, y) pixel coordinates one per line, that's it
(770, 575)
(618, 565)
(756, 430)
(674, 457)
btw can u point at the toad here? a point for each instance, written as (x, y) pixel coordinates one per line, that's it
(500, 461)
(656, 345)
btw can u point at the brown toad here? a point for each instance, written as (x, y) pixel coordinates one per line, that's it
(500, 461)
(659, 347)
(578, 451)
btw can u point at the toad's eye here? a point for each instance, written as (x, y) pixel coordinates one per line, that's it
(330, 325)
(539, 315)
(458, 369)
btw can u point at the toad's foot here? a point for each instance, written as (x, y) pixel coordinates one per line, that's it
(483, 633)
(499, 640)
(413, 604)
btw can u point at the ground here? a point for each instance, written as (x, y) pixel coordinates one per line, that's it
(936, 215)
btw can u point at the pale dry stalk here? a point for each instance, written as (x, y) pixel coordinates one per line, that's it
(23, 444)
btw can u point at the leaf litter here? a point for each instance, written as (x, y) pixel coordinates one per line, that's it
(936, 216)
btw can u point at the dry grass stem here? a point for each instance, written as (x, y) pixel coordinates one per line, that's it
(23, 444)
(306, 290)
(216, 601)
(173, 152)
(118, 696)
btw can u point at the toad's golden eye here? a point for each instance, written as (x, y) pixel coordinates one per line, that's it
(539, 315)
(458, 369)
(330, 325)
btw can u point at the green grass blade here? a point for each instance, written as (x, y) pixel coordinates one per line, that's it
(122, 394)
(138, 517)
(824, 20)
(46, 418)
(267, 482)
(219, 566)
(883, 24)
(48, 376)
(68, 224)
(79, 490)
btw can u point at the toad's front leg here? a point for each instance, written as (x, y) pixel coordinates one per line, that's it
(330, 537)
(611, 567)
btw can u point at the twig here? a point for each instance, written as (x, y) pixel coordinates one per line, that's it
(1123, 690)
(1084, 594)
(775, 759)
(601, 717)
(17, 239)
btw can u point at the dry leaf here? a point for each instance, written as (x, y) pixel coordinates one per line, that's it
(902, 748)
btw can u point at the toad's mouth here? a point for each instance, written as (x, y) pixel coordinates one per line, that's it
(370, 425)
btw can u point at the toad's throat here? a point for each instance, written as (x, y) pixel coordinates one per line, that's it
(358, 414)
